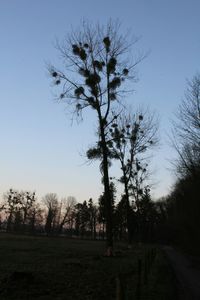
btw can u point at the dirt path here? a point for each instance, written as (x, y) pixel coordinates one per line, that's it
(187, 272)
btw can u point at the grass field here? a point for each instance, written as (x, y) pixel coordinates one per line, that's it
(58, 268)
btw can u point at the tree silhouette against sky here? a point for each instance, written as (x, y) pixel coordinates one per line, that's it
(96, 68)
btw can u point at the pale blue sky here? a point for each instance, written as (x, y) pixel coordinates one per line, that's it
(40, 150)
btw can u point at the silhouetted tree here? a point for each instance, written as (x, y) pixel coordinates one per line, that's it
(101, 216)
(120, 219)
(11, 201)
(92, 208)
(97, 56)
(146, 215)
(18, 206)
(65, 211)
(183, 202)
(186, 133)
(35, 218)
(51, 202)
(130, 137)
(27, 203)
(102, 206)
(82, 218)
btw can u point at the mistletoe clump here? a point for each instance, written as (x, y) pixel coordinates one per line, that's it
(79, 91)
(107, 43)
(111, 66)
(115, 83)
(79, 51)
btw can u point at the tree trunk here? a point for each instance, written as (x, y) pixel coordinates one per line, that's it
(94, 228)
(9, 222)
(108, 202)
(128, 213)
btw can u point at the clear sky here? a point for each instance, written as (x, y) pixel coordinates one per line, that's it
(39, 148)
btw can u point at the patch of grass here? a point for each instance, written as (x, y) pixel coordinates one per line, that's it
(58, 268)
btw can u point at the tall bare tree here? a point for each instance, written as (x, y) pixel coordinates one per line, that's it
(96, 67)
(51, 202)
(186, 132)
(66, 209)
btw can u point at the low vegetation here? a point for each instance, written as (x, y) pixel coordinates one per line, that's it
(60, 268)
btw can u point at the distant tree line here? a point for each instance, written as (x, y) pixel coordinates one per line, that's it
(21, 212)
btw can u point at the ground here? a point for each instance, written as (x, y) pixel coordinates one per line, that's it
(46, 268)
(187, 271)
